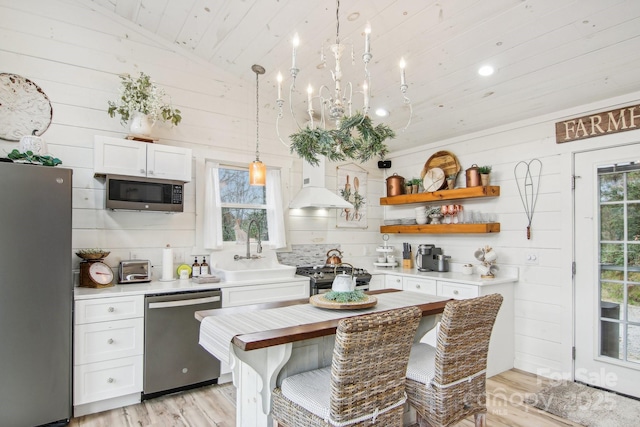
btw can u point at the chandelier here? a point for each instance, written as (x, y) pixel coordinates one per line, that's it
(338, 133)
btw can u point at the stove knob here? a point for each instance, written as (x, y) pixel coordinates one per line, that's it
(321, 275)
(363, 271)
(315, 275)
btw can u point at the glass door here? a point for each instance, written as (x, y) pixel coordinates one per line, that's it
(607, 278)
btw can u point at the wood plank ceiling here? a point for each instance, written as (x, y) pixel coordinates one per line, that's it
(548, 54)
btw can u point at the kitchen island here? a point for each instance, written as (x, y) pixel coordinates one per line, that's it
(265, 343)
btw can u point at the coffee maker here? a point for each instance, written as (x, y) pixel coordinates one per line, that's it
(430, 258)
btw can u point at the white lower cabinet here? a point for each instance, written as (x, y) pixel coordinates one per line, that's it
(270, 292)
(108, 353)
(376, 282)
(501, 347)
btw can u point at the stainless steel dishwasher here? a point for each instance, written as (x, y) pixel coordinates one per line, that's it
(173, 359)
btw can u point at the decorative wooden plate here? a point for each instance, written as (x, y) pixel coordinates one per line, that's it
(320, 301)
(444, 160)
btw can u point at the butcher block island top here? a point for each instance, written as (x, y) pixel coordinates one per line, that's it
(263, 325)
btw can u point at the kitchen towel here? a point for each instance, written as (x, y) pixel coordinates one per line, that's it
(167, 263)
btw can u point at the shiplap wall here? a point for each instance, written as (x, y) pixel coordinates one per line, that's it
(75, 54)
(544, 294)
(74, 51)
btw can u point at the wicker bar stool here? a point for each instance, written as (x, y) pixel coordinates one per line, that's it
(448, 383)
(365, 384)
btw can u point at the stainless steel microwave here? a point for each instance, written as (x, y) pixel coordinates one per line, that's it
(144, 194)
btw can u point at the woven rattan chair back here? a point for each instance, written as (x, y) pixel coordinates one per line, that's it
(368, 371)
(458, 389)
(463, 339)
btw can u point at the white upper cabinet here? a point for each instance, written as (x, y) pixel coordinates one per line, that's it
(133, 158)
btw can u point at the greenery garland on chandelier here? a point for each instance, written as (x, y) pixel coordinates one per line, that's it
(355, 139)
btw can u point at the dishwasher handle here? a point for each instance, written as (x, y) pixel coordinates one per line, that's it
(184, 302)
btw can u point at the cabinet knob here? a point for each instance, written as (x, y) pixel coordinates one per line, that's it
(150, 172)
(110, 341)
(418, 286)
(110, 380)
(111, 310)
(397, 280)
(142, 171)
(455, 292)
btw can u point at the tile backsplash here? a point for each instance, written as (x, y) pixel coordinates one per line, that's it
(306, 254)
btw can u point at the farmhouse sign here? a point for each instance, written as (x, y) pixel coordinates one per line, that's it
(608, 122)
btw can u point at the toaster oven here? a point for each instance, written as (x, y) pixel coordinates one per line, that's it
(134, 271)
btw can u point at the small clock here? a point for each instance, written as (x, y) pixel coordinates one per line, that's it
(95, 274)
(433, 180)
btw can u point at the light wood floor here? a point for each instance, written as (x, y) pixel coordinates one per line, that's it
(215, 406)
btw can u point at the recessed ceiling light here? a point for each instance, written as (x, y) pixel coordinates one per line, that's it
(485, 70)
(381, 112)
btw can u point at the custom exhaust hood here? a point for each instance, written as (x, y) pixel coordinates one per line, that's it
(313, 193)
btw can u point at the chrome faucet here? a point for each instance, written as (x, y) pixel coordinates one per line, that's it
(258, 248)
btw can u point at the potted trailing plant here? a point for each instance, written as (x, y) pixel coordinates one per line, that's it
(485, 171)
(415, 185)
(140, 100)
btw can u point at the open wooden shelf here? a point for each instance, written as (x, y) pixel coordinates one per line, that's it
(436, 196)
(490, 227)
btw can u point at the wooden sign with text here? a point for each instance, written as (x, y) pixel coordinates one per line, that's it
(608, 122)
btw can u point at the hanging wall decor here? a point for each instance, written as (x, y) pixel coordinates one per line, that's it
(24, 108)
(352, 186)
(528, 181)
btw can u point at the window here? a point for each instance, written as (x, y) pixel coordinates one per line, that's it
(241, 203)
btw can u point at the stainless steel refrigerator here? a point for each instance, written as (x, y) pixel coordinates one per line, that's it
(36, 295)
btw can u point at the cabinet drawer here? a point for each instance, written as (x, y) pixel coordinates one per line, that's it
(457, 290)
(392, 282)
(425, 286)
(95, 342)
(258, 294)
(103, 380)
(106, 309)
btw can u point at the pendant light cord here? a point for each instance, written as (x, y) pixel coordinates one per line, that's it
(257, 119)
(258, 69)
(337, 21)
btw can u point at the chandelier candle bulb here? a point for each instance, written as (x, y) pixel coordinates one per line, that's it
(279, 85)
(367, 41)
(403, 64)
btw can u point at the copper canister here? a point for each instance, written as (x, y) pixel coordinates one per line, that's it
(395, 185)
(473, 176)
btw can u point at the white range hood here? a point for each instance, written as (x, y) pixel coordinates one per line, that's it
(313, 193)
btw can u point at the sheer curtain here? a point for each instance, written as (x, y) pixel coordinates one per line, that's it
(212, 231)
(275, 213)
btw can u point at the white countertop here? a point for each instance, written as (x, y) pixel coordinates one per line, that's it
(505, 275)
(177, 285)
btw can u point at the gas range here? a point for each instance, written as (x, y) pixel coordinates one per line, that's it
(321, 276)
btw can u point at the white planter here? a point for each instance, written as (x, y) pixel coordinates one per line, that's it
(140, 124)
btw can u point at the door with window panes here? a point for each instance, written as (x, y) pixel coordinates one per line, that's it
(240, 204)
(607, 278)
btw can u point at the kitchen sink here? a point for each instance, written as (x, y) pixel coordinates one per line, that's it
(265, 268)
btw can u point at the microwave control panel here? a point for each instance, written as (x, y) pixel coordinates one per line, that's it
(176, 195)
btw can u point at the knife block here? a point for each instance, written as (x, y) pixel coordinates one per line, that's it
(407, 263)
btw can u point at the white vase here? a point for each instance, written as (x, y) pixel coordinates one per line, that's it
(140, 124)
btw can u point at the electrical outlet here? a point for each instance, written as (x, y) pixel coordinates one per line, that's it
(178, 256)
(531, 258)
(133, 255)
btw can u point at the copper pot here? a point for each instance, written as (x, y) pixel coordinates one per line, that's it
(395, 185)
(333, 259)
(473, 176)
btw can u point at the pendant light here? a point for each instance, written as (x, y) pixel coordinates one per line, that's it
(257, 169)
